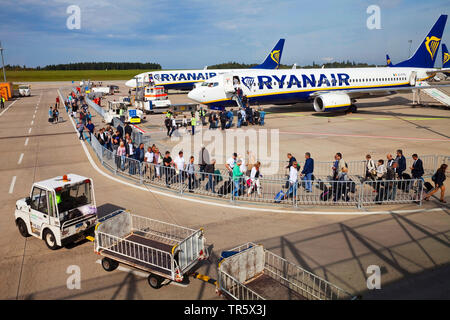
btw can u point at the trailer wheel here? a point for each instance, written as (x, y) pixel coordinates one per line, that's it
(155, 281)
(50, 240)
(109, 264)
(22, 228)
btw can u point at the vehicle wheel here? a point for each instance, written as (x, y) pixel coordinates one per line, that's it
(22, 228)
(50, 240)
(109, 264)
(353, 108)
(155, 281)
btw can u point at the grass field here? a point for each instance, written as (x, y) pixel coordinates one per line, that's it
(69, 75)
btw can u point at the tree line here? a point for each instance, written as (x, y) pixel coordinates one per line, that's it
(335, 64)
(90, 66)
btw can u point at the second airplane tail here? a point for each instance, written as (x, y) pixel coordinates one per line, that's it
(425, 55)
(273, 59)
(445, 57)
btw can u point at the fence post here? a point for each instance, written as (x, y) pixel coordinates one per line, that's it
(180, 176)
(360, 194)
(141, 175)
(232, 190)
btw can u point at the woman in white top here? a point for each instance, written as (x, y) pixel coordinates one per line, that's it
(381, 169)
(254, 178)
(293, 178)
(371, 169)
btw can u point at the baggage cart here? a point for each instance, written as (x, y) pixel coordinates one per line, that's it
(166, 251)
(250, 272)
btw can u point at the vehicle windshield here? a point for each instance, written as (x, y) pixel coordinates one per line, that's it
(74, 196)
(23, 87)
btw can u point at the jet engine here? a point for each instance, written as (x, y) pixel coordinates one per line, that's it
(329, 102)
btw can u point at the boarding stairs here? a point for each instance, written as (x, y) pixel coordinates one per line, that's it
(434, 93)
(238, 100)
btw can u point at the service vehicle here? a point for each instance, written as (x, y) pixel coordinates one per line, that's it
(59, 210)
(24, 90)
(134, 115)
(250, 272)
(113, 111)
(166, 251)
(114, 88)
(103, 90)
(155, 100)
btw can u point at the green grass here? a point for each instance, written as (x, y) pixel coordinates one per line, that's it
(69, 75)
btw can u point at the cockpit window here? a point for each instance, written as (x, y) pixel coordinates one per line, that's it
(210, 84)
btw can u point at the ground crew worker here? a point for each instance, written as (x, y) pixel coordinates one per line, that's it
(2, 102)
(193, 124)
(121, 114)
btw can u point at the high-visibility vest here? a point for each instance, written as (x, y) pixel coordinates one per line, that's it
(193, 122)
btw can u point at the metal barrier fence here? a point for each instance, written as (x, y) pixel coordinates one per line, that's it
(265, 189)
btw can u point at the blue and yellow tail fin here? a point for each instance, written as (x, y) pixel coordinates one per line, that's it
(445, 57)
(425, 55)
(388, 61)
(273, 59)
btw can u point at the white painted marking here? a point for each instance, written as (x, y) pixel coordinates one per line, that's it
(34, 116)
(29, 131)
(32, 122)
(26, 142)
(11, 187)
(20, 159)
(8, 108)
(223, 205)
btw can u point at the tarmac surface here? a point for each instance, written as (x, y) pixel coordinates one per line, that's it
(411, 248)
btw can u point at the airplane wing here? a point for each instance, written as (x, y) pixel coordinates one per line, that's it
(358, 92)
(443, 70)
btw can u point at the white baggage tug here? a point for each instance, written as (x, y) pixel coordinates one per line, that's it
(60, 210)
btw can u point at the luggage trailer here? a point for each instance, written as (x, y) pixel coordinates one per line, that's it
(166, 251)
(250, 272)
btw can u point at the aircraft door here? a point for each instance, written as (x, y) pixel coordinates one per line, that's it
(228, 83)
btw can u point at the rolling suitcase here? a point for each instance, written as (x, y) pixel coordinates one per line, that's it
(225, 188)
(428, 186)
(280, 195)
(325, 195)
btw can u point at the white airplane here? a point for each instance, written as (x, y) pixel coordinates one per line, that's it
(330, 90)
(186, 79)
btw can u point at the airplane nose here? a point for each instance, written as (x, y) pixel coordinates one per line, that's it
(194, 94)
(131, 83)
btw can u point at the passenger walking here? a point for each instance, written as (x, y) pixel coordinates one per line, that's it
(209, 169)
(168, 124)
(254, 180)
(417, 167)
(231, 163)
(381, 170)
(190, 170)
(307, 171)
(90, 126)
(293, 179)
(291, 160)
(179, 164)
(120, 156)
(371, 169)
(168, 168)
(80, 128)
(401, 161)
(203, 161)
(149, 167)
(237, 177)
(262, 115)
(438, 179)
(50, 115)
(173, 124)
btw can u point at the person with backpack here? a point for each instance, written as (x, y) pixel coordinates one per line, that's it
(239, 121)
(401, 160)
(371, 169)
(438, 179)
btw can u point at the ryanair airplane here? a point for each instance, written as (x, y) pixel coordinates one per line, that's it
(445, 58)
(329, 90)
(186, 79)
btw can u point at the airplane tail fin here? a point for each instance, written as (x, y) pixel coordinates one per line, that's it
(445, 57)
(425, 55)
(388, 61)
(273, 59)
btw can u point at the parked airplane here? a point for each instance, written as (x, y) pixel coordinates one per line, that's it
(186, 79)
(445, 57)
(330, 90)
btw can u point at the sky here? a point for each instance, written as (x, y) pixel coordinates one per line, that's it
(195, 33)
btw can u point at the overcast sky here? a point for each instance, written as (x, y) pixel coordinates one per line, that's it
(195, 33)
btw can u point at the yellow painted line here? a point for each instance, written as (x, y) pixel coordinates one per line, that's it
(383, 118)
(90, 238)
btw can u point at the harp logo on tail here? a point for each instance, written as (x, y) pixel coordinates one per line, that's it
(275, 55)
(432, 44)
(446, 58)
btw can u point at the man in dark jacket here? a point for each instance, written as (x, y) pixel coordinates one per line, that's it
(401, 161)
(417, 167)
(307, 171)
(128, 129)
(209, 169)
